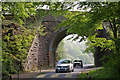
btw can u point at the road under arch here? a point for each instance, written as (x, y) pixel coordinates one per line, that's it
(57, 39)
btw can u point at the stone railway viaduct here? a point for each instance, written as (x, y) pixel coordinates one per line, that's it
(43, 50)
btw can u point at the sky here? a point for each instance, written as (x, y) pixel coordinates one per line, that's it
(74, 35)
(73, 9)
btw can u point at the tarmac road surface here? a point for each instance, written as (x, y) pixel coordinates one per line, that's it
(65, 75)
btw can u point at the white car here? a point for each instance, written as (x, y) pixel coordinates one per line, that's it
(64, 65)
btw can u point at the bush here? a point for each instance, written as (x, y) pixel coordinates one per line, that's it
(14, 49)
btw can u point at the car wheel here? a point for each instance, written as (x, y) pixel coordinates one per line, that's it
(73, 70)
(81, 66)
(74, 65)
(56, 71)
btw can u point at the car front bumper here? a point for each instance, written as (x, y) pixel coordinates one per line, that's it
(62, 69)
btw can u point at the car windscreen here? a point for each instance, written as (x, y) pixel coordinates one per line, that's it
(64, 62)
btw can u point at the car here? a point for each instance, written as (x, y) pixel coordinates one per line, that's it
(64, 65)
(78, 62)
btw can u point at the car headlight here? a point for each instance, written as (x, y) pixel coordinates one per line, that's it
(67, 66)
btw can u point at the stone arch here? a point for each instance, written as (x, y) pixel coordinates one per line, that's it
(58, 36)
(47, 45)
(56, 39)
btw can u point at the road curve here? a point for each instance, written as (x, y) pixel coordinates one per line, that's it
(65, 75)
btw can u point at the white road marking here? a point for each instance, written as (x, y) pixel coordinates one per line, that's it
(54, 75)
(68, 75)
(41, 76)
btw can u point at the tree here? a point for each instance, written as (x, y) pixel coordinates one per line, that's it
(84, 23)
(100, 16)
(19, 10)
(60, 51)
(95, 17)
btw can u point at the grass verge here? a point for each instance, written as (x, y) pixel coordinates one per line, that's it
(94, 74)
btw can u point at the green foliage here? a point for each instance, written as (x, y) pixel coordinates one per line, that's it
(90, 47)
(60, 51)
(110, 70)
(19, 10)
(41, 29)
(107, 73)
(69, 56)
(74, 50)
(112, 67)
(82, 76)
(82, 23)
(95, 74)
(99, 73)
(86, 23)
(15, 49)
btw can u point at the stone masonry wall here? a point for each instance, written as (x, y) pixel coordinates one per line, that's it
(38, 55)
(32, 58)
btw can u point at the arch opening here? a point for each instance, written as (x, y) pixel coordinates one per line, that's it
(74, 50)
(73, 54)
